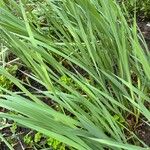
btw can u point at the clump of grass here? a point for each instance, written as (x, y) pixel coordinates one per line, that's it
(141, 7)
(102, 52)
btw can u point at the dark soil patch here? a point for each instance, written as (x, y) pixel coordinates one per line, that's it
(17, 140)
(140, 128)
(21, 75)
(145, 29)
(143, 132)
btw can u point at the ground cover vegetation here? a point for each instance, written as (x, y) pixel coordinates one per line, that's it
(74, 74)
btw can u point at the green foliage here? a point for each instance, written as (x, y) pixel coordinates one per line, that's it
(37, 137)
(65, 80)
(5, 82)
(97, 90)
(28, 139)
(142, 7)
(13, 128)
(55, 144)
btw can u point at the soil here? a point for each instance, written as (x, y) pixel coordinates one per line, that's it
(143, 132)
(140, 128)
(17, 140)
(145, 29)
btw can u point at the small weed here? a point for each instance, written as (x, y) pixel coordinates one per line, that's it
(5, 82)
